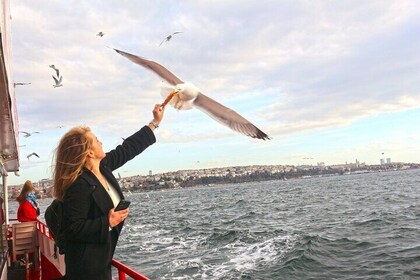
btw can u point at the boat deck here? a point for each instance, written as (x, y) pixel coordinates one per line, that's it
(50, 267)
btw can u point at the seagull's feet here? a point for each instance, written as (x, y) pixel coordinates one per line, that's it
(178, 104)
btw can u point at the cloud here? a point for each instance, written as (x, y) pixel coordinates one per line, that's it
(289, 67)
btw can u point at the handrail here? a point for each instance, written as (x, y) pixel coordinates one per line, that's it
(123, 270)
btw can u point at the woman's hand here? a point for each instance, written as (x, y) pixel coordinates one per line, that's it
(158, 111)
(116, 217)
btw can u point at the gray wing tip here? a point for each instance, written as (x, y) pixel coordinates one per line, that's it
(261, 135)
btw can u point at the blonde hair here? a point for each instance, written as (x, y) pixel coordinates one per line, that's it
(27, 188)
(70, 157)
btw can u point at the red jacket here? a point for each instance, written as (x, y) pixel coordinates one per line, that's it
(26, 212)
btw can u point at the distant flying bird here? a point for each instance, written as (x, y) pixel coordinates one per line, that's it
(169, 37)
(100, 34)
(185, 96)
(27, 134)
(58, 81)
(33, 154)
(20, 84)
(57, 71)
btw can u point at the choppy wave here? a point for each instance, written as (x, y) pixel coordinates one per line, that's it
(345, 227)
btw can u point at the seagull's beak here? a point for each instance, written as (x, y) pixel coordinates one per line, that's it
(168, 99)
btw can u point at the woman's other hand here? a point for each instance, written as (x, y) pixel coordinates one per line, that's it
(116, 217)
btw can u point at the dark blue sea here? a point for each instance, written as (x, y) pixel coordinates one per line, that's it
(363, 226)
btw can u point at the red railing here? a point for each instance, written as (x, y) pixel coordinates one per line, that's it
(123, 270)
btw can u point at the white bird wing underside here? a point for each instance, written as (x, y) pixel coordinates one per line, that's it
(214, 109)
(153, 66)
(228, 117)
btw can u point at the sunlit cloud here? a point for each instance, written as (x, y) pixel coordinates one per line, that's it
(290, 67)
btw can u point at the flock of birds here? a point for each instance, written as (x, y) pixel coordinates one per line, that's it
(58, 80)
(182, 96)
(26, 135)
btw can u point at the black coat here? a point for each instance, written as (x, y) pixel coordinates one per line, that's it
(90, 244)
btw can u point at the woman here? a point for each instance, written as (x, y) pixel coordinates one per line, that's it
(28, 206)
(83, 180)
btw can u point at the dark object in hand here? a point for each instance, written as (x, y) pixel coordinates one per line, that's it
(122, 205)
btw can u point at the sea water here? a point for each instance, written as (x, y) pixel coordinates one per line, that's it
(364, 226)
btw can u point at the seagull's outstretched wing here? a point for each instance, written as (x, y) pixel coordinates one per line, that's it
(154, 66)
(58, 81)
(33, 154)
(228, 117)
(27, 134)
(166, 39)
(57, 71)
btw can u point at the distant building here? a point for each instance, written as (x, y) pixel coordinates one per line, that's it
(321, 164)
(382, 161)
(388, 160)
(150, 173)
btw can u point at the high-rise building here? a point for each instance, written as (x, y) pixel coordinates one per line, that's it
(150, 172)
(388, 160)
(382, 161)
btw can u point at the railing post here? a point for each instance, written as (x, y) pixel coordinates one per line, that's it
(121, 275)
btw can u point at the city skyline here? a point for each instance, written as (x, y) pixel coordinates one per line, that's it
(329, 82)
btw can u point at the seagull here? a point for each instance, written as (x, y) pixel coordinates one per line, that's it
(58, 81)
(187, 96)
(33, 154)
(169, 37)
(20, 84)
(100, 34)
(27, 134)
(56, 70)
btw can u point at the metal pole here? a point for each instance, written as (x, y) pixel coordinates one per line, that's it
(5, 193)
(6, 200)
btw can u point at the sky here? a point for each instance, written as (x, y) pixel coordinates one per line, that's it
(328, 81)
